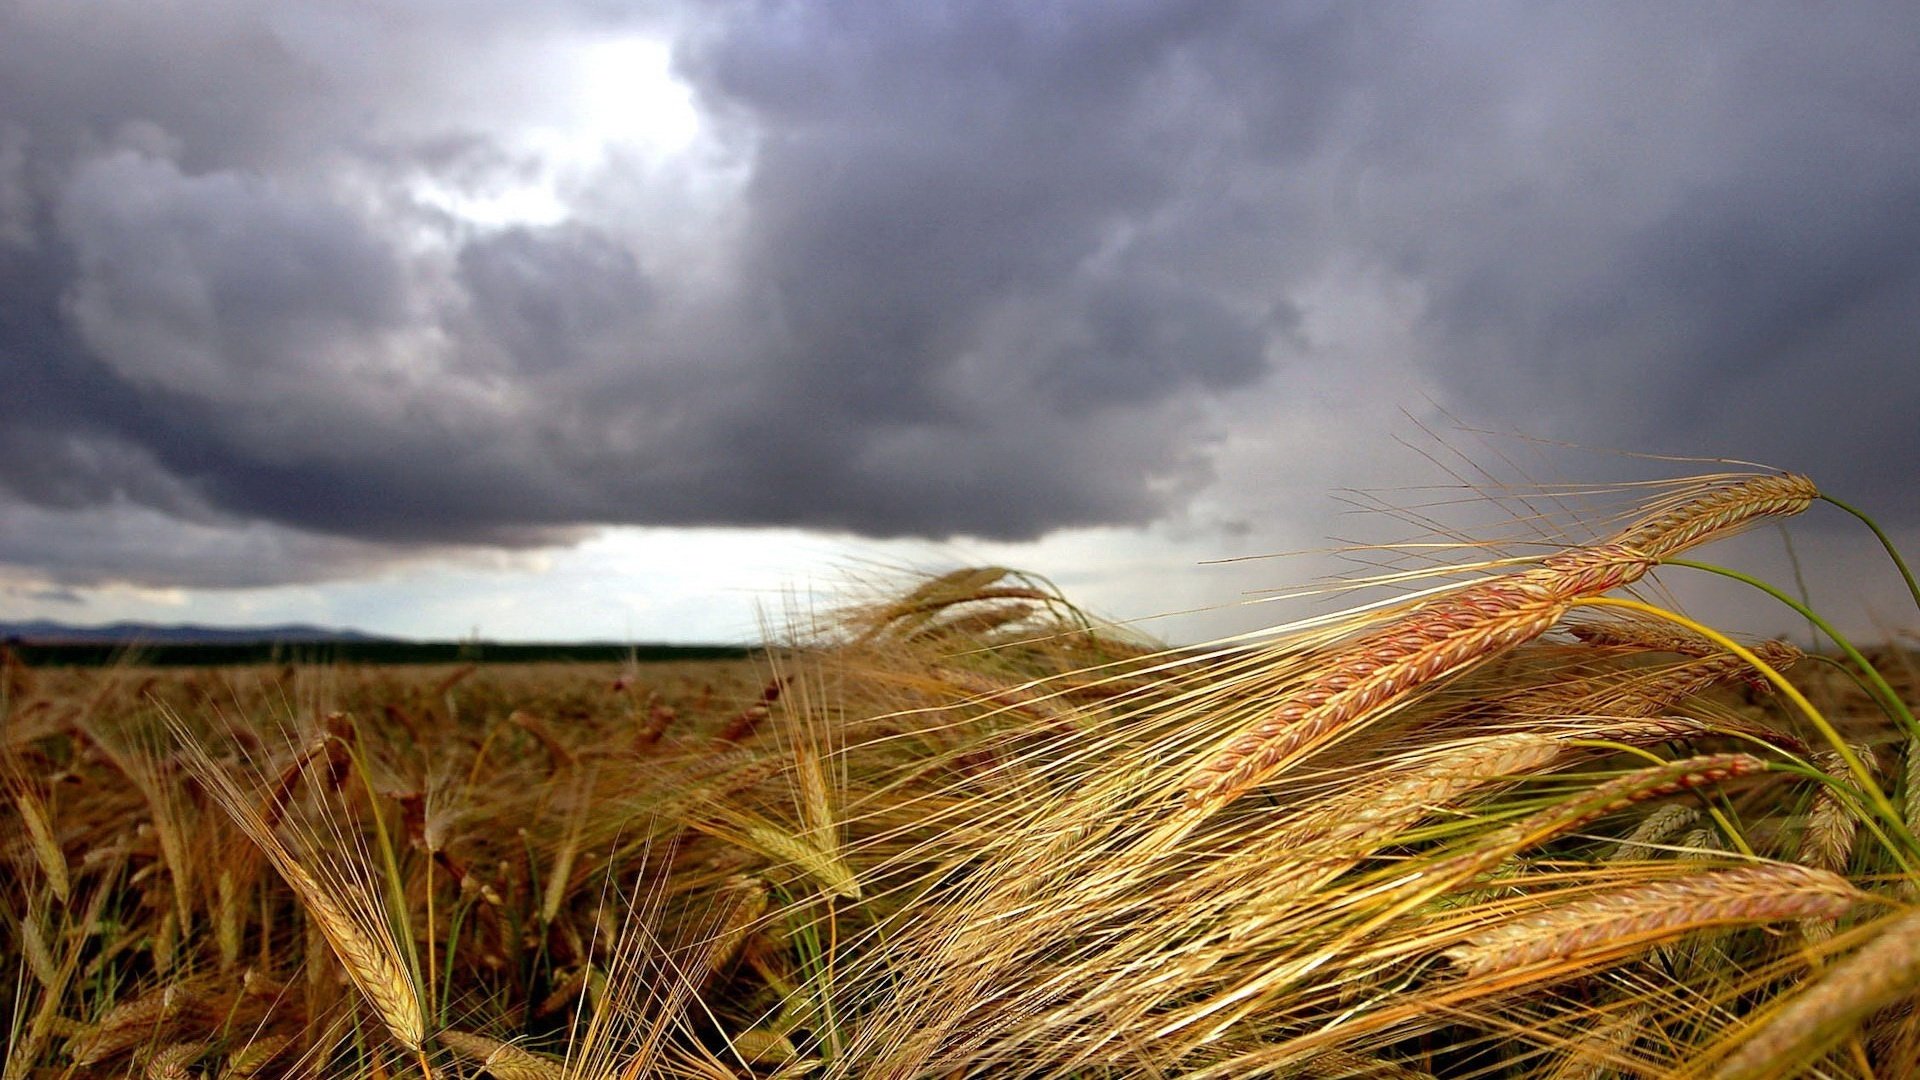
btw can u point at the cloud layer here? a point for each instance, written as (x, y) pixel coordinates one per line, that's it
(291, 290)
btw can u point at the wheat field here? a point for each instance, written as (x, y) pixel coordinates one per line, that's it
(1506, 813)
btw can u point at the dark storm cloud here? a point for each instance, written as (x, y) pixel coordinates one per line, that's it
(980, 269)
(1674, 233)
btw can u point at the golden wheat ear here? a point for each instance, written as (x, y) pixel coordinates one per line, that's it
(502, 1060)
(1458, 630)
(1627, 920)
(339, 893)
(1831, 1007)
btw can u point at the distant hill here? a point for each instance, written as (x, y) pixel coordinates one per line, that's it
(44, 642)
(47, 632)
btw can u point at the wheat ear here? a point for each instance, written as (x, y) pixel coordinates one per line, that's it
(228, 931)
(1346, 1065)
(1641, 635)
(1657, 827)
(1373, 811)
(365, 948)
(738, 905)
(1436, 782)
(39, 958)
(1434, 640)
(1883, 972)
(373, 968)
(40, 835)
(504, 1061)
(1827, 840)
(1627, 920)
(253, 1057)
(170, 1062)
(1719, 510)
(789, 851)
(1594, 1055)
(1453, 632)
(1652, 782)
(1909, 887)
(760, 1046)
(131, 1023)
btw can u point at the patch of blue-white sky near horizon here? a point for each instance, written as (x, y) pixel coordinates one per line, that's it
(748, 586)
(572, 321)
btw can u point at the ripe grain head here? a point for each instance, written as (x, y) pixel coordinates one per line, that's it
(1638, 917)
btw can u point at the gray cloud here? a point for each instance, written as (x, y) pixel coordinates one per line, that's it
(982, 270)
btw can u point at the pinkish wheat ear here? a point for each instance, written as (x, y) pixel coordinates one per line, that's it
(1379, 670)
(1639, 917)
(1885, 970)
(1719, 511)
(1449, 634)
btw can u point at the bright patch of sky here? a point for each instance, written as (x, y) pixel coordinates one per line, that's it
(614, 96)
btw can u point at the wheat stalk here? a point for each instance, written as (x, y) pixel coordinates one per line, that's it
(1637, 917)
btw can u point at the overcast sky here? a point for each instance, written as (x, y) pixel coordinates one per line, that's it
(592, 319)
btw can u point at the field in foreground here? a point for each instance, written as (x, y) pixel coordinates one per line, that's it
(1509, 822)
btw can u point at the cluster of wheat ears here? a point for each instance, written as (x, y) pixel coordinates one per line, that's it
(1512, 821)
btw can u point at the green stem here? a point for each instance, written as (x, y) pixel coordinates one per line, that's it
(1861, 774)
(446, 981)
(1881, 689)
(395, 906)
(1913, 588)
(1799, 580)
